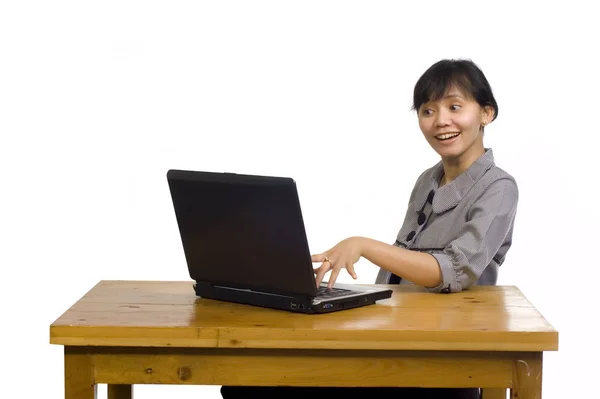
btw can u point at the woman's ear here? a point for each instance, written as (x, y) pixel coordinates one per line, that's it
(488, 114)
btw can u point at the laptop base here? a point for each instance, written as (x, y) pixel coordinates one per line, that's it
(298, 304)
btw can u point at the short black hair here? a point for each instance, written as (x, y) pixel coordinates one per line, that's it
(462, 74)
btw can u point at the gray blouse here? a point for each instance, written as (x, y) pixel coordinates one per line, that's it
(466, 224)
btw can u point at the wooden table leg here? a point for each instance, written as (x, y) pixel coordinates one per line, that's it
(79, 375)
(120, 391)
(493, 393)
(527, 377)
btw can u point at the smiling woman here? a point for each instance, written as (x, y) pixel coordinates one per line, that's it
(454, 102)
(459, 222)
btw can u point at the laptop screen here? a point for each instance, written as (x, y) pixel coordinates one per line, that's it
(243, 231)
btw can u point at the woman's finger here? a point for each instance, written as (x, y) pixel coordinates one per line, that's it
(334, 274)
(318, 257)
(350, 268)
(321, 273)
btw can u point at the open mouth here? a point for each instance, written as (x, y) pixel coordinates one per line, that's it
(446, 136)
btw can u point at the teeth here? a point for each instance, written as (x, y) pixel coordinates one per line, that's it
(447, 136)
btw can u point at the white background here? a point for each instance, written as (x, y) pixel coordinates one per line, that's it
(99, 99)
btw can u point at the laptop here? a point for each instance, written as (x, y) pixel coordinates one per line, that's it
(244, 241)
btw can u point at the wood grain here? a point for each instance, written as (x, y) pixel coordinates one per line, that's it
(79, 375)
(493, 393)
(303, 368)
(131, 332)
(120, 391)
(527, 377)
(168, 314)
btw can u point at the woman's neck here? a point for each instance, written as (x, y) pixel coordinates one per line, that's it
(453, 167)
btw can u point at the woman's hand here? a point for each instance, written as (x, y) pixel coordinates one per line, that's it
(344, 255)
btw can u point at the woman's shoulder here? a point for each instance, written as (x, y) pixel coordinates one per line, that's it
(497, 175)
(497, 182)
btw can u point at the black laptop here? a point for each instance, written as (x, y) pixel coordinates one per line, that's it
(244, 241)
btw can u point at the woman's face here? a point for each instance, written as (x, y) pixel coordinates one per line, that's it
(452, 125)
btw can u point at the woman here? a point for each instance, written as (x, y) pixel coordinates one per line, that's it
(459, 222)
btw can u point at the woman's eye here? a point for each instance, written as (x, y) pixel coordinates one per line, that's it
(427, 112)
(455, 107)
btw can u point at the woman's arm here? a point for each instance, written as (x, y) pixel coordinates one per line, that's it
(418, 267)
(457, 267)
(478, 240)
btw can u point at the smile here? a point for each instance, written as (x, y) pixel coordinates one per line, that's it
(446, 136)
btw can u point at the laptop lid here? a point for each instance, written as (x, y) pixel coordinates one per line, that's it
(243, 231)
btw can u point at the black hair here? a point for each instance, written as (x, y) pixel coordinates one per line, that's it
(462, 74)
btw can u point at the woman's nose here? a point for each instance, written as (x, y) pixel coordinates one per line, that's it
(442, 118)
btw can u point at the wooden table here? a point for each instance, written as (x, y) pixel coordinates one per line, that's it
(140, 332)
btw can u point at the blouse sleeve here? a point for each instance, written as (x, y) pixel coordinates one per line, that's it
(489, 220)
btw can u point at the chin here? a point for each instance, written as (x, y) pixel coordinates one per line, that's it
(448, 153)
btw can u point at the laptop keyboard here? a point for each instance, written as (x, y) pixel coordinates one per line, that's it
(324, 292)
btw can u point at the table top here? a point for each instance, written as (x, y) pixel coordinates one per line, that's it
(169, 314)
